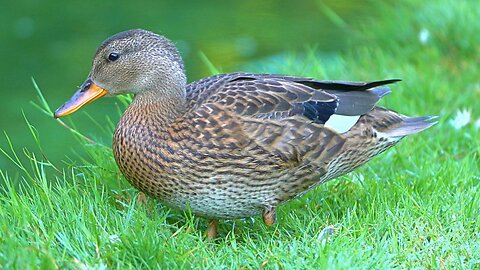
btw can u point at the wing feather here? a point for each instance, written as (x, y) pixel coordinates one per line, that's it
(283, 115)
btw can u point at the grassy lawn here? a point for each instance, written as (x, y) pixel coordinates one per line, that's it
(416, 206)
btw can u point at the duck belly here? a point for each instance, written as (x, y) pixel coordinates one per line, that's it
(224, 196)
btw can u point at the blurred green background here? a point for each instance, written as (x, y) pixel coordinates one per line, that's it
(53, 42)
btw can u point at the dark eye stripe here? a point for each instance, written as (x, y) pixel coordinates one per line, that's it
(113, 56)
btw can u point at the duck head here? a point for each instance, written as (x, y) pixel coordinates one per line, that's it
(134, 61)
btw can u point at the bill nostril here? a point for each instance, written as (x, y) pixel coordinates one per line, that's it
(86, 86)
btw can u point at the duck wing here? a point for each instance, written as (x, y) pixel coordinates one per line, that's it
(283, 115)
(269, 96)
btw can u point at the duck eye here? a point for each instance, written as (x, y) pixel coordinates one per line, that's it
(113, 56)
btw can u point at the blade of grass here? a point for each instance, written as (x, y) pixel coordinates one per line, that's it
(214, 70)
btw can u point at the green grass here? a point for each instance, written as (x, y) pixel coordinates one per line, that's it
(416, 206)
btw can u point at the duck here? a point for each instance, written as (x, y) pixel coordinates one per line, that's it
(234, 145)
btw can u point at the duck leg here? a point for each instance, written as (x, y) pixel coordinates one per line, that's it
(212, 229)
(269, 216)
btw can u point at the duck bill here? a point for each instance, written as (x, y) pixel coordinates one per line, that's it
(87, 93)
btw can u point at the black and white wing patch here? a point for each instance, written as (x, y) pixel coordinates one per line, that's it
(335, 104)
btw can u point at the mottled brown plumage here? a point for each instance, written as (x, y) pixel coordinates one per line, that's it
(233, 145)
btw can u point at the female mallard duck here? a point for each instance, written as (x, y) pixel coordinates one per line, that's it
(233, 145)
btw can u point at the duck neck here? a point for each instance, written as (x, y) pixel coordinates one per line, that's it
(158, 108)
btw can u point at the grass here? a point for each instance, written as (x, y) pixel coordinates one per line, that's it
(416, 206)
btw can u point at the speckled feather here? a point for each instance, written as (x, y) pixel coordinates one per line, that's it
(233, 145)
(243, 144)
